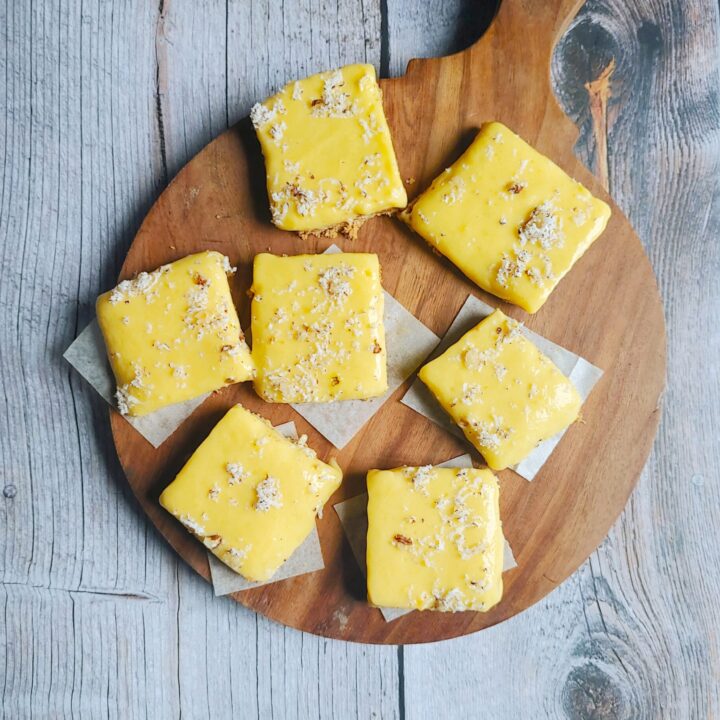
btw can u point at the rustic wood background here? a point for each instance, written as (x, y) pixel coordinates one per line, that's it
(103, 103)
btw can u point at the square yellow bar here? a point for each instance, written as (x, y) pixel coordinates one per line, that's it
(317, 327)
(434, 539)
(251, 495)
(328, 153)
(505, 395)
(508, 217)
(173, 334)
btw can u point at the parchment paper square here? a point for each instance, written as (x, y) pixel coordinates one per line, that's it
(583, 374)
(87, 355)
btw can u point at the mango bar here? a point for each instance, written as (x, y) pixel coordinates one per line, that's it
(508, 217)
(434, 539)
(251, 495)
(317, 327)
(503, 393)
(328, 153)
(173, 334)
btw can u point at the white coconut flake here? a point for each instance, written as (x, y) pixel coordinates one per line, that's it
(236, 472)
(542, 228)
(420, 477)
(268, 494)
(261, 115)
(334, 282)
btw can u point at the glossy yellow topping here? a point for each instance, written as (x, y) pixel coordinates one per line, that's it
(250, 495)
(173, 334)
(328, 153)
(505, 395)
(317, 327)
(434, 539)
(508, 217)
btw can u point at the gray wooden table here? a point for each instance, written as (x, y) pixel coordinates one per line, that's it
(103, 102)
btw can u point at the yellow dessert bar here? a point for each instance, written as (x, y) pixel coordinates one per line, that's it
(317, 327)
(251, 495)
(173, 334)
(328, 153)
(505, 395)
(434, 539)
(508, 217)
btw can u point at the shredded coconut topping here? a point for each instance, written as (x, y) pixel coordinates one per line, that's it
(420, 477)
(237, 473)
(277, 131)
(260, 115)
(334, 282)
(125, 399)
(334, 102)
(192, 525)
(179, 371)
(455, 191)
(143, 284)
(268, 494)
(542, 228)
(369, 127)
(227, 267)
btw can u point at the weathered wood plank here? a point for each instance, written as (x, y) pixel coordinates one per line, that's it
(432, 28)
(84, 654)
(70, 196)
(103, 104)
(633, 634)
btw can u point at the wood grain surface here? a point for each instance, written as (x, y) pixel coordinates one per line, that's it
(89, 629)
(607, 309)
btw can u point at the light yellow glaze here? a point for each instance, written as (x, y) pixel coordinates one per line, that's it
(250, 495)
(505, 395)
(317, 327)
(328, 152)
(435, 539)
(508, 217)
(173, 334)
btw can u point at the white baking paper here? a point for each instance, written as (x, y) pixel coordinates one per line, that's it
(353, 518)
(408, 343)
(581, 373)
(87, 355)
(307, 558)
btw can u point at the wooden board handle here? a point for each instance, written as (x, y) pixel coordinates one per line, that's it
(522, 35)
(532, 27)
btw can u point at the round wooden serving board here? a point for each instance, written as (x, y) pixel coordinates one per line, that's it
(607, 309)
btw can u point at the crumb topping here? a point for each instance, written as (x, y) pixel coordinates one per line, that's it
(334, 102)
(142, 285)
(192, 525)
(261, 115)
(124, 394)
(455, 191)
(420, 477)
(334, 281)
(369, 127)
(268, 494)
(542, 228)
(236, 472)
